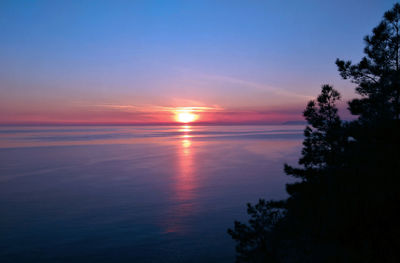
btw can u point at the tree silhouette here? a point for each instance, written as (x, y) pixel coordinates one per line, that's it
(377, 75)
(254, 239)
(344, 206)
(321, 141)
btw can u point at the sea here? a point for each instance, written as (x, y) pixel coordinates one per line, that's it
(135, 193)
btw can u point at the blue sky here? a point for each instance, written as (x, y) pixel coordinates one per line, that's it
(71, 56)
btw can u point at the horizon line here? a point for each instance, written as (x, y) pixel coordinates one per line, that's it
(293, 122)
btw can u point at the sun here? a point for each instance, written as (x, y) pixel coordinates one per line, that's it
(186, 117)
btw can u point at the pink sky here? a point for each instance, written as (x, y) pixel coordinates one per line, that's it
(257, 62)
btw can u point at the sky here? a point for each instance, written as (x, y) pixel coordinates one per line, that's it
(145, 61)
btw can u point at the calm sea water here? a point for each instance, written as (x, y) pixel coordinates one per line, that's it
(137, 193)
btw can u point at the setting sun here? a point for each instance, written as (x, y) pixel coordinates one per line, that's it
(186, 117)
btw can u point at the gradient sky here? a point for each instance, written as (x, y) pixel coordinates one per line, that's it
(135, 61)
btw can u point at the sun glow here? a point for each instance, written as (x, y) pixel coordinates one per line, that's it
(185, 116)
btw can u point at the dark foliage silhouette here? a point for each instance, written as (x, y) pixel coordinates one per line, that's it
(253, 238)
(377, 74)
(345, 204)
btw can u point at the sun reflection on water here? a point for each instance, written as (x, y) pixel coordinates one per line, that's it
(185, 129)
(184, 193)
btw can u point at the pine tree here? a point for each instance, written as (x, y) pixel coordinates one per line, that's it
(322, 136)
(377, 75)
(345, 206)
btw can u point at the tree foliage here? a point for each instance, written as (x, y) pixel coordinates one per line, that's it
(321, 135)
(253, 239)
(377, 75)
(344, 205)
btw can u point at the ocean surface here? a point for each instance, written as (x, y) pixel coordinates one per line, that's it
(135, 193)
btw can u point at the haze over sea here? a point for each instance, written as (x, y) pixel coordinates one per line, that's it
(135, 193)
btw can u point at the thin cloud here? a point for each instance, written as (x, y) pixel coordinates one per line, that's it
(246, 84)
(152, 108)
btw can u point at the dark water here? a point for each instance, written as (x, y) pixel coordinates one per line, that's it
(135, 194)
